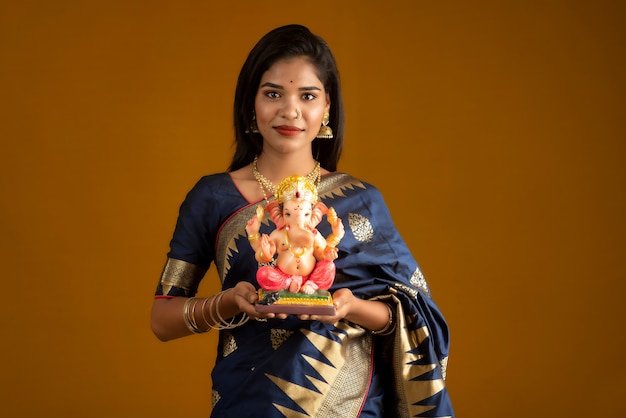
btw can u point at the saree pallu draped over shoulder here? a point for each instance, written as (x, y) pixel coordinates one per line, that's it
(295, 368)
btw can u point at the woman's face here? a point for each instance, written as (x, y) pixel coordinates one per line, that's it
(290, 105)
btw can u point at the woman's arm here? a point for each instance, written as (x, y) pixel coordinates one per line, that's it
(168, 314)
(167, 318)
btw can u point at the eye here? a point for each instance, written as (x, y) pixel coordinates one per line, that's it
(309, 96)
(272, 94)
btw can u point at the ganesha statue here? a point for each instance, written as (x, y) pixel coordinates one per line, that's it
(295, 257)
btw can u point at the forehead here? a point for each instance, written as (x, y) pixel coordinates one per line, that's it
(296, 70)
(292, 204)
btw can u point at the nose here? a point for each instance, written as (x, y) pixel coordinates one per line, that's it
(291, 110)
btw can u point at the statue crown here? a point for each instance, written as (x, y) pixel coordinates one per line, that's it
(298, 188)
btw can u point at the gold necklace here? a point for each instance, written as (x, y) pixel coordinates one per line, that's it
(265, 184)
(296, 254)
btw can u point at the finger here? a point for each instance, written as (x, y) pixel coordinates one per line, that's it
(252, 297)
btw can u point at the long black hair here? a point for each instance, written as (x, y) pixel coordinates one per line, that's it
(280, 43)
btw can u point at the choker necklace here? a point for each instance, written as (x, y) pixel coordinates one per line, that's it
(265, 184)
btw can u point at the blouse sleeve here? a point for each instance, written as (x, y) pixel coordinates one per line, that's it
(192, 245)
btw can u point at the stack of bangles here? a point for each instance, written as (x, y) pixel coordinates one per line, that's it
(189, 315)
(389, 327)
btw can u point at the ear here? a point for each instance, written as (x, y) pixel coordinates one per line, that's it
(327, 108)
(319, 210)
(273, 208)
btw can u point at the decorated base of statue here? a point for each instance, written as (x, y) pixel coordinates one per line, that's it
(283, 301)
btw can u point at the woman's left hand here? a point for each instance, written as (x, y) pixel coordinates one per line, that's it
(343, 300)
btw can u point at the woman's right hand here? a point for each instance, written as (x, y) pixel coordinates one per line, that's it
(241, 298)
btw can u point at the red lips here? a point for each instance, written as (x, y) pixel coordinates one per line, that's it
(287, 130)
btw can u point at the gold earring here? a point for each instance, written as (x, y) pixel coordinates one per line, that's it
(254, 129)
(325, 131)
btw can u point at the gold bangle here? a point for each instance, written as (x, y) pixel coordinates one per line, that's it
(221, 323)
(189, 316)
(231, 324)
(330, 248)
(215, 321)
(186, 315)
(389, 327)
(202, 310)
(192, 315)
(262, 257)
(332, 240)
(331, 216)
(254, 237)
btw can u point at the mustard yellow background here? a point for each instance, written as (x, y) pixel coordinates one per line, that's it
(496, 131)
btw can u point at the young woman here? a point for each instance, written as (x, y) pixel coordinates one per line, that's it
(384, 352)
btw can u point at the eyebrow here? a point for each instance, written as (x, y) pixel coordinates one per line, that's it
(279, 87)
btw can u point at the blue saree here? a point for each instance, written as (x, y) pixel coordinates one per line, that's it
(300, 368)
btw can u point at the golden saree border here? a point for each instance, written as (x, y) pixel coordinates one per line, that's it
(410, 391)
(229, 235)
(345, 382)
(181, 274)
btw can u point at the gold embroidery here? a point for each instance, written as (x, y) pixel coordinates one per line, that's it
(215, 397)
(413, 388)
(344, 374)
(230, 344)
(361, 227)
(178, 273)
(418, 280)
(444, 366)
(335, 184)
(351, 381)
(279, 336)
(406, 289)
(229, 238)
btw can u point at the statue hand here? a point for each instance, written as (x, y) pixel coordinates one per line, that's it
(253, 225)
(267, 246)
(330, 253)
(337, 228)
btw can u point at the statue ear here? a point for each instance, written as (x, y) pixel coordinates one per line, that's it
(273, 208)
(319, 210)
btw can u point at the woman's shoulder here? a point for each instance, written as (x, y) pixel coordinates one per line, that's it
(214, 179)
(212, 184)
(341, 181)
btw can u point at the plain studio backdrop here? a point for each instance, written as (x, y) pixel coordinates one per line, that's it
(495, 130)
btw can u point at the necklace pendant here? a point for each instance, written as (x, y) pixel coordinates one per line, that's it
(265, 184)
